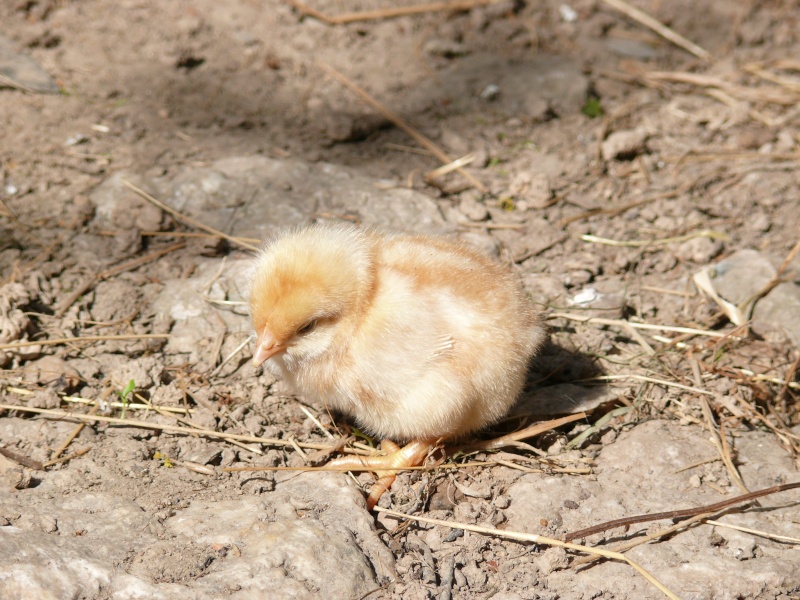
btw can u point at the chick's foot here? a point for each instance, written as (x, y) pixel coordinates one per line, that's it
(386, 467)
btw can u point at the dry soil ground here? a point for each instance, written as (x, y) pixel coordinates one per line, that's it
(616, 165)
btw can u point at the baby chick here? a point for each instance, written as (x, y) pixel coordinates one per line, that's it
(419, 338)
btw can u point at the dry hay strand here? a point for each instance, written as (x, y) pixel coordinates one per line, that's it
(402, 124)
(387, 13)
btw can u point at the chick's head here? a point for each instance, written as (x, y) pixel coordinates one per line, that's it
(306, 285)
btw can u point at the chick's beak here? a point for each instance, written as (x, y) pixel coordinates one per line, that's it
(266, 347)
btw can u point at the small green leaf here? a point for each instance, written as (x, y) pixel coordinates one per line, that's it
(592, 108)
(124, 395)
(507, 204)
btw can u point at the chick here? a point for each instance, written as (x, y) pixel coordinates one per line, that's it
(419, 338)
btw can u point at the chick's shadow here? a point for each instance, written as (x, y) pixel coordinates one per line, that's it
(550, 390)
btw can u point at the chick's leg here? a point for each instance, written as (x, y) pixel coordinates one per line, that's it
(386, 467)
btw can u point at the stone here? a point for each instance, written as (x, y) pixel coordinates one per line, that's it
(283, 544)
(532, 188)
(544, 289)
(53, 372)
(624, 145)
(607, 295)
(446, 48)
(482, 241)
(473, 209)
(700, 250)
(119, 207)
(538, 236)
(746, 272)
(23, 71)
(665, 448)
(631, 48)
(258, 196)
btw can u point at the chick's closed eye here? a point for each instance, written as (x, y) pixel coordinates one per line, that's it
(308, 327)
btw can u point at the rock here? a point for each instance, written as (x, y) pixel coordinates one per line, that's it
(539, 235)
(144, 372)
(45, 398)
(197, 321)
(292, 541)
(14, 476)
(284, 544)
(631, 48)
(483, 242)
(345, 127)
(115, 300)
(119, 207)
(624, 145)
(53, 372)
(473, 209)
(745, 273)
(607, 295)
(667, 448)
(446, 48)
(532, 188)
(699, 250)
(257, 196)
(23, 71)
(544, 289)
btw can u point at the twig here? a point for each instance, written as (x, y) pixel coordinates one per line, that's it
(659, 28)
(25, 461)
(586, 237)
(613, 212)
(533, 538)
(721, 444)
(180, 234)
(401, 123)
(316, 422)
(190, 221)
(449, 168)
(129, 406)
(491, 225)
(528, 432)
(678, 514)
(63, 459)
(228, 358)
(648, 537)
(771, 536)
(169, 428)
(443, 466)
(76, 432)
(759, 377)
(650, 380)
(387, 13)
(86, 338)
(623, 323)
(92, 280)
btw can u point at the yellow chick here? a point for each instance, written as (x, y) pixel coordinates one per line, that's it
(419, 338)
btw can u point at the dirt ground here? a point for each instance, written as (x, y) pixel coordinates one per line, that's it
(616, 166)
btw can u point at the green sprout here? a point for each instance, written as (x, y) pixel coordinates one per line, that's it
(507, 204)
(592, 108)
(125, 395)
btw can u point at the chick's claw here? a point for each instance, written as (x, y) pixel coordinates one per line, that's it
(387, 466)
